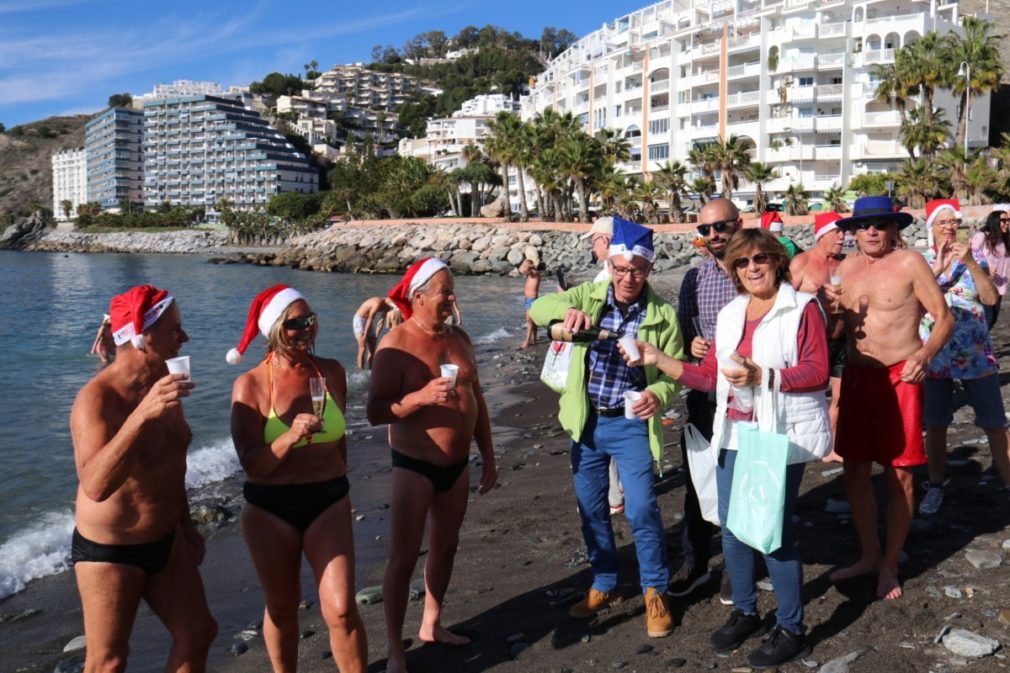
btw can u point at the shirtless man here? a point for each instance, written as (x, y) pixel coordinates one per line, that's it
(134, 538)
(531, 291)
(883, 293)
(432, 420)
(811, 271)
(367, 322)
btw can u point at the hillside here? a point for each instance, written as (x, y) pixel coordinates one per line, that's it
(26, 176)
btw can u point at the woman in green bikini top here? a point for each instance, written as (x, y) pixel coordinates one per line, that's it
(295, 460)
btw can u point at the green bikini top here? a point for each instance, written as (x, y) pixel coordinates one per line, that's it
(333, 420)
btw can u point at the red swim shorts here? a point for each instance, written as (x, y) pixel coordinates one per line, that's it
(880, 417)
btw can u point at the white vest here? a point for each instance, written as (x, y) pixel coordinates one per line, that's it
(803, 417)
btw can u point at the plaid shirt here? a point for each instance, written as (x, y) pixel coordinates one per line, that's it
(609, 376)
(705, 290)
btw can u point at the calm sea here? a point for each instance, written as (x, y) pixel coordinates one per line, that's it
(51, 305)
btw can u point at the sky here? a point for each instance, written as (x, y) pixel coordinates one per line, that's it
(60, 57)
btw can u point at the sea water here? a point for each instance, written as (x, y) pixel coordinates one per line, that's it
(50, 308)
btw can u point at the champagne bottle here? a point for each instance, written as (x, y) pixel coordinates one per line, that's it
(559, 333)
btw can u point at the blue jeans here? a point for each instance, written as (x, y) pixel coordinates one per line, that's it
(627, 443)
(784, 565)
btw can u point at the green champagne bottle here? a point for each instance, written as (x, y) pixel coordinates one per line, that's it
(559, 333)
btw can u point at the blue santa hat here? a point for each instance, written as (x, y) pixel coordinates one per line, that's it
(631, 239)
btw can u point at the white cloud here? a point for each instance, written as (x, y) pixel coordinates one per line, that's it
(24, 6)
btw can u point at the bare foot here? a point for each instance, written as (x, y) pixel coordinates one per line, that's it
(888, 587)
(440, 634)
(832, 458)
(858, 569)
(396, 664)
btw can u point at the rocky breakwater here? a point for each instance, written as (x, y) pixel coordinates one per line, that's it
(20, 235)
(171, 242)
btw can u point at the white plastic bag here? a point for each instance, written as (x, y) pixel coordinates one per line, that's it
(555, 371)
(702, 463)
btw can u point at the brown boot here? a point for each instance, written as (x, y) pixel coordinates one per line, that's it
(658, 620)
(593, 603)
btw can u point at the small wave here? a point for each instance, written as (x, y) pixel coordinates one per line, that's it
(39, 550)
(211, 463)
(497, 335)
(358, 379)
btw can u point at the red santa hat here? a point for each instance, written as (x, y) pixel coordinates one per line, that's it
(825, 222)
(771, 221)
(267, 307)
(135, 311)
(417, 275)
(934, 208)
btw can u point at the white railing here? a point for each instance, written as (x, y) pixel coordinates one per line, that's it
(743, 98)
(885, 118)
(878, 56)
(829, 123)
(831, 60)
(710, 48)
(660, 86)
(831, 29)
(829, 152)
(744, 70)
(801, 93)
(829, 91)
(705, 105)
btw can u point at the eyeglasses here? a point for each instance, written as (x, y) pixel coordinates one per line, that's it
(719, 227)
(1004, 219)
(948, 223)
(622, 271)
(760, 259)
(878, 224)
(300, 323)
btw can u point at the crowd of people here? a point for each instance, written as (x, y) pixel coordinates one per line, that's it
(822, 355)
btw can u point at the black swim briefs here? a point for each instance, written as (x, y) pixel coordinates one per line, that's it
(297, 504)
(441, 477)
(151, 557)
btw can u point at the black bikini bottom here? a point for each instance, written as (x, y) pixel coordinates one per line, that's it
(151, 557)
(441, 477)
(297, 504)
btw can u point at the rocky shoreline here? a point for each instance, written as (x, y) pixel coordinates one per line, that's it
(163, 242)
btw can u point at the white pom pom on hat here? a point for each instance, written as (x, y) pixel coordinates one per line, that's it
(266, 308)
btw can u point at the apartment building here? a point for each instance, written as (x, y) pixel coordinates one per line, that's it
(180, 87)
(113, 144)
(70, 182)
(201, 149)
(796, 77)
(363, 88)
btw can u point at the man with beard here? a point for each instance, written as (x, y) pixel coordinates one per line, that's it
(705, 290)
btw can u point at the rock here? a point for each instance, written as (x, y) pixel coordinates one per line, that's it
(494, 209)
(765, 585)
(827, 474)
(21, 234)
(984, 558)
(944, 630)
(515, 256)
(71, 665)
(842, 664)
(676, 662)
(75, 644)
(968, 644)
(369, 596)
(1006, 545)
(237, 649)
(644, 648)
(618, 664)
(307, 633)
(1004, 617)
(417, 590)
(952, 592)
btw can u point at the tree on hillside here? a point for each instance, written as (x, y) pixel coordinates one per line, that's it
(3, 129)
(277, 84)
(120, 100)
(553, 41)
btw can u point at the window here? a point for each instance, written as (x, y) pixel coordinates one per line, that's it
(659, 125)
(806, 81)
(659, 152)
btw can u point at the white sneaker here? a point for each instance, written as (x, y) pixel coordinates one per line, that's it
(931, 502)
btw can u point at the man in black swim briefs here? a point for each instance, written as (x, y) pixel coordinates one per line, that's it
(425, 386)
(134, 538)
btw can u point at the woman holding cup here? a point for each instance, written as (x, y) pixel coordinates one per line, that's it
(295, 460)
(769, 359)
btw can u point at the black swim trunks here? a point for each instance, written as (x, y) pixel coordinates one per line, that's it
(837, 356)
(297, 504)
(441, 477)
(151, 557)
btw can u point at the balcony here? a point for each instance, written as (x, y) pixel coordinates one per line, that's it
(744, 70)
(884, 118)
(828, 61)
(791, 125)
(743, 98)
(744, 41)
(829, 91)
(705, 105)
(879, 149)
(831, 30)
(873, 56)
(705, 77)
(659, 86)
(801, 94)
(829, 124)
(804, 62)
(828, 153)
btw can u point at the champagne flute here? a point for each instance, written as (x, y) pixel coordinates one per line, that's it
(317, 389)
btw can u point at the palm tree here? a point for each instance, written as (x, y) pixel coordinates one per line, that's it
(797, 201)
(981, 51)
(704, 187)
(67, 206)
(701, 159)
(891, 89)
(613, 146)
(672, 175)
(925, 66)
(954, 164)
(925, 132)
(648, 193)
(980, 181)
(580, 161)
(731, 156)
(500, 145)
(834, 200)
(917, 182)
(759, 173)
(1001, 156)
(611, 186)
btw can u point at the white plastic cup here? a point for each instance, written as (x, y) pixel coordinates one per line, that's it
(179, 365)
(743, 397)
(630, 347)
(836, 280)
(450, 372)
(630, 398)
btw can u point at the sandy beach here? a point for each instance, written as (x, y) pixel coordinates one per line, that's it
(521, 563)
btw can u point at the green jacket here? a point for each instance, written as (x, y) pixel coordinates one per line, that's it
(659, 328)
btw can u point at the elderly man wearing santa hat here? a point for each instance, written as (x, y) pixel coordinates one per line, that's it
(811, 271)
(133, 537)
(604, 427)
(968, 356)
(425, 386)
(880, 299)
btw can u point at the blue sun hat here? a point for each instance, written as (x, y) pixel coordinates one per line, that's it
(874, 207)
(631, 239)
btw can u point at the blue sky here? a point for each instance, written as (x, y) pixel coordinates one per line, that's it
(68, 56)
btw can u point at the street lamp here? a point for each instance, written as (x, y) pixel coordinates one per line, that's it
(965, 71)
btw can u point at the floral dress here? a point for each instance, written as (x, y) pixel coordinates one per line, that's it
(968, 354)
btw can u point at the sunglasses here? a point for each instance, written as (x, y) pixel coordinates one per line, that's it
(300, 323)
(760, 259)
(720, 227)
(1004, 219)
(879, 224)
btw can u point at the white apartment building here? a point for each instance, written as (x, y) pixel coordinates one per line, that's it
(363, 88)
(180, 87)
(114, 145)
(70, 181)
(201, 149)
(794, 76)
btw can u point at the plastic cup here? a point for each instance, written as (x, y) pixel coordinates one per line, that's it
(630, 398)
(450, 372)
(836, 280)
(179, 365)
(630, 347)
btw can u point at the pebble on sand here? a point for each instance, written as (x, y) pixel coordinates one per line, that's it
(75, 644)
(842, 664)
(984, 558)
(369, 596)
(968, 644)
